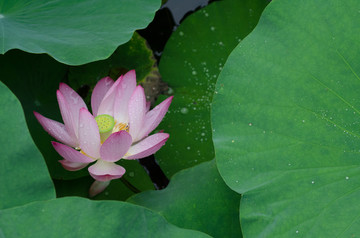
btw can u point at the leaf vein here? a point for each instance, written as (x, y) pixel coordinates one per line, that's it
(335, 93)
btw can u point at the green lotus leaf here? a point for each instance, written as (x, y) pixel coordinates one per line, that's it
(197, 198)
(190, 64)
(79, 217)
(286, 121)
(73, 32)
(23, 174)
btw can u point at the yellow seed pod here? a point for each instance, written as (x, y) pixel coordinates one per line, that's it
(105, 123)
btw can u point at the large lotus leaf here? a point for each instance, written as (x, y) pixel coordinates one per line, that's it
(197, 198)
(79, 217)
(23, 174)
(190, 64)
(73, 32)
(286, 120)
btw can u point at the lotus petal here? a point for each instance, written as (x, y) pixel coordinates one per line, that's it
(147, 146)
(89, 135)
(56, 130)
(100, 90)
(105, 171)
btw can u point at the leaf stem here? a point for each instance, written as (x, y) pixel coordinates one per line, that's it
(130, 186)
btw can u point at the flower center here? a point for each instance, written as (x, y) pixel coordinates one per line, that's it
(120, 127)
(105, 123)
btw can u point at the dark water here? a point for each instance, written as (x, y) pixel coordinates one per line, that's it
(167, 19)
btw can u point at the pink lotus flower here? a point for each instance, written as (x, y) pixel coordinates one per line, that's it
(118, 129)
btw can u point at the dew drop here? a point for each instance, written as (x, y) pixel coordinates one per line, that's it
(188, 147)
(181, 33)
(74, 98)
(170, 91)
(347, 178)
(36, 102)
(184, 110)
(108, 81)
(250, 124)
(1, 16)
(251, 12)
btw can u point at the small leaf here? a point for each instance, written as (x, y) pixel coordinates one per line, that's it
(135, 54)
